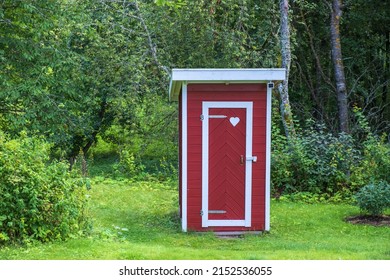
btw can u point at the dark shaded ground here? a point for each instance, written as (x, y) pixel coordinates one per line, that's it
(382, 220)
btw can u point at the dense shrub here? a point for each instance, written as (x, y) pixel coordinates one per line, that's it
(317, 161)
(374, 163)
(374, 198)
(39, 200)
(130, 166)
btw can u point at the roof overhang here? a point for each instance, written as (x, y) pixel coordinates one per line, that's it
(259, 75)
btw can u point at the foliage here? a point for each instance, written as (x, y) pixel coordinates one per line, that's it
(127, 165)
(315, 161)
(70, 68)
(171, 3)
(133, 167)
(77, 71)
(139, 220)
(40, 200)
(374, 198)
(318, 161)
(40, 76)
(150, 138)
(341, 197)
(367, 74)
(374, 164)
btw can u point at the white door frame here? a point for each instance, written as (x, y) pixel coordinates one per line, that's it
(206, 105)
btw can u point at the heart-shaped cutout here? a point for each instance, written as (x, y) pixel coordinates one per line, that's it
(234, 120)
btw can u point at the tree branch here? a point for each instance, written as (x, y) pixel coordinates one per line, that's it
(152, 46)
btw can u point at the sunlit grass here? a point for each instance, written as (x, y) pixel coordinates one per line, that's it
(139, 220)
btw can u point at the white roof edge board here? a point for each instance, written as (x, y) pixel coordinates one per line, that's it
(254, 74)
(222, 76)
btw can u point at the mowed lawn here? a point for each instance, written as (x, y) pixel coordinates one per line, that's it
(139, 220)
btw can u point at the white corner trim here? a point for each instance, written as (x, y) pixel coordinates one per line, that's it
(205, 164)
(184, 157)
(206, 105)
(268, 160)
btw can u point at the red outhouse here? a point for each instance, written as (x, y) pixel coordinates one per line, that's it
(224, 147)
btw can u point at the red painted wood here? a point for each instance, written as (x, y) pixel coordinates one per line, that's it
(220, 92)
(226, 174)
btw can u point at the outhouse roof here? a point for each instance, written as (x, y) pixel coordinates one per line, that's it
(252, 75)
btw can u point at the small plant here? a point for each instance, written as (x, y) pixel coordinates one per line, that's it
(128, 165)
(374, 198)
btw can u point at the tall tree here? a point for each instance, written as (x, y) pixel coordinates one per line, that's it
(338, 66)
(285, 108)
(67, 68)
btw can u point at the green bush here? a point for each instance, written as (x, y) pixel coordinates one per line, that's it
(374, 198)
(374, 163)
(314, 161)
(320, 162)
(39, 200)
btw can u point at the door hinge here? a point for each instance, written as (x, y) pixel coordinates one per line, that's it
(201, 212)
(201, 117)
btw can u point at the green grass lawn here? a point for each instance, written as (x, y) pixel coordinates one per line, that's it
(139, 221)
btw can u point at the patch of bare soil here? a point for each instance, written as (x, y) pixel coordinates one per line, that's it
(383, 220)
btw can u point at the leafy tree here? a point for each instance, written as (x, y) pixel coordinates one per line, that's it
(41, 76)
(85, 64)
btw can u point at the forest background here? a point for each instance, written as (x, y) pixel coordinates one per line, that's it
(83, 81)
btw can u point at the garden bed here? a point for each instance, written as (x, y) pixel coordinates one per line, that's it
(382, 220)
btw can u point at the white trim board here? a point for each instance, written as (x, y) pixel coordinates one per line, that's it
(268, 159)
(255, 75)
(184, 158)
(206, 105)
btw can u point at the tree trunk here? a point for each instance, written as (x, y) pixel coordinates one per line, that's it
(337, 59)
(285, 108)
(79, 148)
(385, 111)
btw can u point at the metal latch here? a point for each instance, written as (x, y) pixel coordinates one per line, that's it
(252, 158)
(213, 117)
(217, 211)
(201, 212)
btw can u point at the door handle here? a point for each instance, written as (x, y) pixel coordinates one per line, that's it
(241, 160)
(252, 158)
